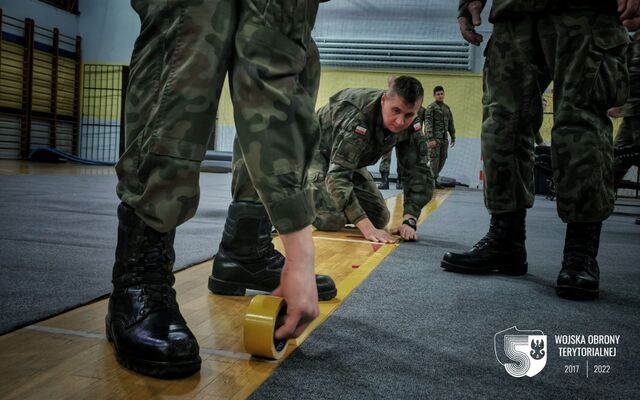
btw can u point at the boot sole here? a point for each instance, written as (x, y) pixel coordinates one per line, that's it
(156, 369)
(576, 293)
(509, 269)
(226, 288)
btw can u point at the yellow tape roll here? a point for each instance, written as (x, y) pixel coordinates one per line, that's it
(260, 326)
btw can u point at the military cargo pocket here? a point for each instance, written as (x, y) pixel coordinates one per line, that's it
(177, 148)
(289, 17)
(610, 77)
(347, 154)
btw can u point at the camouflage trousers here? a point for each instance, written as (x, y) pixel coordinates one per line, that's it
(628, 135)
(365, 192)
(438, 156)
(179, 63)
(385, 163)
(583, 53)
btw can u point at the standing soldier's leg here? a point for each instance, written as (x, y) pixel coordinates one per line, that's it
(512, 94)
(176, 76)
(273, 110)
(434, 162)
(246, 257)
(444, 153)
(587, 51)
(385, 167)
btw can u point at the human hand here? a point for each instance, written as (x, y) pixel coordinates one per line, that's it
(629, 11)
(614, 112)
(453, 143)
(467, 27)
(378, 235)
(406, 233)
(298, 284)
(373, 234)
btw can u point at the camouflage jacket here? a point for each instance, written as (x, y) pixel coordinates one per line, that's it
(505, 9)
(353, 137)
(438, 120)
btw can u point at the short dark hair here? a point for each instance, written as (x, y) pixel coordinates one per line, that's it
(438, 89)
(408, 87)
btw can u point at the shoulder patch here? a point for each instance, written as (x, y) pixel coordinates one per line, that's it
(417, 126)
(360, 130)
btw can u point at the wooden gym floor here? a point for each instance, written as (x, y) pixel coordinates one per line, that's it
(68, 356)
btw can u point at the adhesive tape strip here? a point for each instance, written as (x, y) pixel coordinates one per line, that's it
(260, 326)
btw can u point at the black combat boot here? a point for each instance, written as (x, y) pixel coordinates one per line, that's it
(399, 183)
(144, 321)
(247, 259)
(501, 250)
(579, 277)
(384, 183)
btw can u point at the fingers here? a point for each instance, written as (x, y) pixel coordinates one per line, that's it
(628, 9)
(632, 24)
(287, 330)
(302, 325)
(408, 233)
(621, 5)
(468, 32)
(295, 322)
(278, 292)
(614, 112)
(380, 236)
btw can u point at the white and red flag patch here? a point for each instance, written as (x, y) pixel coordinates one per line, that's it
(360, 130)
(417, 126)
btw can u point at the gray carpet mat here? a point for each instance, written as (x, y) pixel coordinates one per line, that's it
(58, 239)
(412, 330)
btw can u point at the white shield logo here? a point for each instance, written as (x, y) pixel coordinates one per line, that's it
(521, 352)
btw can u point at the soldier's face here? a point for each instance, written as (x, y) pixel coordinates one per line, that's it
(397, 114)
(439, 96)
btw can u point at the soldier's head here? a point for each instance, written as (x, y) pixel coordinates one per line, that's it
(401, 102)
(438, 93)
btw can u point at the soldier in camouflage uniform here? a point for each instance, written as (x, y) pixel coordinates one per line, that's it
(385, 169)
(438, 122)
(357, 127)
(580, 46)
(178, 66)
(385, 163)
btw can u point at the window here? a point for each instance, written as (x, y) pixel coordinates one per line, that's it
(67, 5)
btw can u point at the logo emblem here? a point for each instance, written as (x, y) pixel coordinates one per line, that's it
(521, 352)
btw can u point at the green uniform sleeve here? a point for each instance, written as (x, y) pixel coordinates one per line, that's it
(451, 128)
(463, 11)
(345, 157)
(417, 176)
(428, 123)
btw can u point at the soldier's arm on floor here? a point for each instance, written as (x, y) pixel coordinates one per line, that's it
(417, 176)
(345, 157)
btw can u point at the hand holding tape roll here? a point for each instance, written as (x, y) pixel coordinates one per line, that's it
(260, 325)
